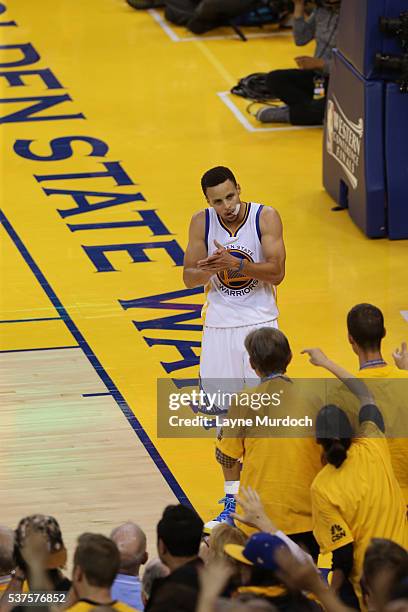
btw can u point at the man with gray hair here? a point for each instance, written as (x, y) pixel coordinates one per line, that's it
(131, 542)
(7, 562)
(154, 569)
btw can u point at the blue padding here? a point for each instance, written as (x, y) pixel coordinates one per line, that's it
(353, 156)
(396, 155)
(359, 37)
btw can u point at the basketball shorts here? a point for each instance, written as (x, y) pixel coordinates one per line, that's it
(224, 363)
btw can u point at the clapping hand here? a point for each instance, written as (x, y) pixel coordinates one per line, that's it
(220, 260)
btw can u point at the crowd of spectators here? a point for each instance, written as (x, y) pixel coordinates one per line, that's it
(266, 571)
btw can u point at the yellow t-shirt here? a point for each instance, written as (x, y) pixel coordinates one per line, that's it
(86, 605)
(393, 403)
(359, 501)
(280, 469)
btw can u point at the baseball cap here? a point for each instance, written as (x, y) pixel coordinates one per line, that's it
(260, 550)
(333, 423)
(48, 526)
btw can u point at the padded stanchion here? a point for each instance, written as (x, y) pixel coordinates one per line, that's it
(360, 38)
(396, 157)
(353, 156)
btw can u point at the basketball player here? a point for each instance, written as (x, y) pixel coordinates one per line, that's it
(236, 250)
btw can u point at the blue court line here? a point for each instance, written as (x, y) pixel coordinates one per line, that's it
(30, 320)
(94, 394)
(47, 348)
(99, 369)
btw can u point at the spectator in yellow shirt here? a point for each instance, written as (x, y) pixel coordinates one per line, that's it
(365, 326)
(280, 469)
(96, 563)
(388, 384)
(356, 496)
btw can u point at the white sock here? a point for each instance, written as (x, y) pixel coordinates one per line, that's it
(231, 487)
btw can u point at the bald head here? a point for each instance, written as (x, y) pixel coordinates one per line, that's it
(131, 542)
(6, 550)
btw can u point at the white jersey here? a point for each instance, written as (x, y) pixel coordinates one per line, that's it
(233, 299)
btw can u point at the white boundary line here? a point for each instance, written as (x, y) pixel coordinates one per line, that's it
(159, 19)
(225, 97)
(404, 314)
(176, 38)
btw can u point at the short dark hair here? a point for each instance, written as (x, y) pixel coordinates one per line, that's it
(216, 176)
(99, 559)
(269, 350)
(334, 433)
(180, 529)
(365, 324)
(384, 554)
(335, 451)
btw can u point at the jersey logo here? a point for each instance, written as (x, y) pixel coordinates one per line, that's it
(233, 279)
(337, 532)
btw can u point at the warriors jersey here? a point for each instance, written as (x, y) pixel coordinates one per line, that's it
(234, 299)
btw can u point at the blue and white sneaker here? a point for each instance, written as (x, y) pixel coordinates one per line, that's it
(224, 516)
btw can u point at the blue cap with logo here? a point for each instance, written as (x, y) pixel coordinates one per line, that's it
(260, 550)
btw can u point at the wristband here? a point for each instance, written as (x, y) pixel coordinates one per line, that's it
(241, 265)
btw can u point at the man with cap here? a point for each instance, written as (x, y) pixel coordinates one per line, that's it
(259, 554)
(39, 556)
(38, 538)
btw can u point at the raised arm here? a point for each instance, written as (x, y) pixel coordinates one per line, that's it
(196, 250)
(354, 384)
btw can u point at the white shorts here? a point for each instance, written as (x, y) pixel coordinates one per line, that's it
(224, 362)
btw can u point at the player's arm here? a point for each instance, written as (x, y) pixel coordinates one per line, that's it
(272, 270)
(196, 251)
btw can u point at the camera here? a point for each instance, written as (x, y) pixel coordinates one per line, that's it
(397, 27)
(395, 68)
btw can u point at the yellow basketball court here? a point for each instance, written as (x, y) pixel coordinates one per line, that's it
(109, 118)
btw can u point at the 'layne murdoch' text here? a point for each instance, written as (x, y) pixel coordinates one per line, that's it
(234, 423)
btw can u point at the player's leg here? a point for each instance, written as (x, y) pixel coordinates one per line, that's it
(220, 371)
(242, 374)
(221, 374)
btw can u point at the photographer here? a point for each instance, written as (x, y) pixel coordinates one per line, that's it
(296, 87)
